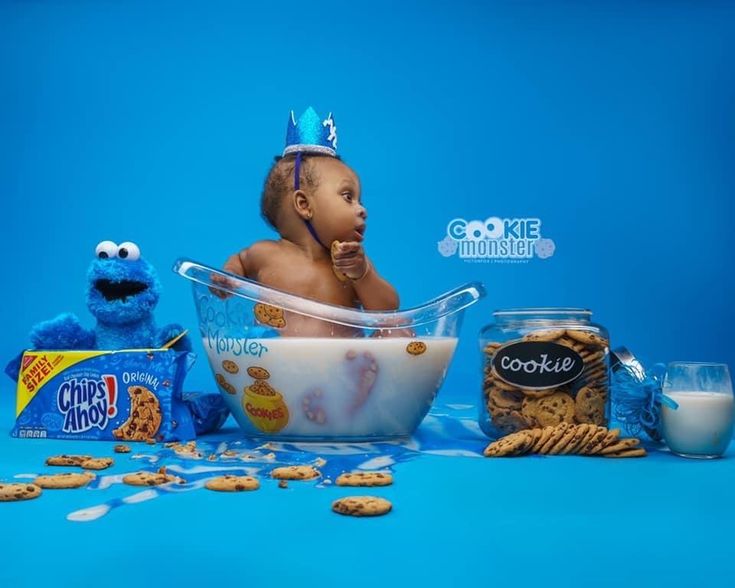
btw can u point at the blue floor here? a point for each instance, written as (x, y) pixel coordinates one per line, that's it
(458, 519)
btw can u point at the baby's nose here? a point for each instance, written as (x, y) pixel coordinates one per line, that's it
(362, 212)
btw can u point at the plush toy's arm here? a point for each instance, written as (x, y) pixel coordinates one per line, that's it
(63, 332)
(13, 367)
(165, 334)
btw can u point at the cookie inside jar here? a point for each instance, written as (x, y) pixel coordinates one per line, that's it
(542, 367)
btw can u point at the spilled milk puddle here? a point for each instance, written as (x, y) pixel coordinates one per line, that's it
(449, 430)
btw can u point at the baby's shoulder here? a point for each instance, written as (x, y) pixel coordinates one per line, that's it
(264, 246)
(263, 250)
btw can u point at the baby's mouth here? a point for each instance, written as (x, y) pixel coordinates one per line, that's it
(360, 232)
(119, 290)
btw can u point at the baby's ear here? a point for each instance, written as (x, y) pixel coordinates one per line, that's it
(301, 204)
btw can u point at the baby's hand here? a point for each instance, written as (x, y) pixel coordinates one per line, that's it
(348, 259)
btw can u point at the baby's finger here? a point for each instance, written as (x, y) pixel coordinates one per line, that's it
(344, 263)
(341, 256)
(348, 253)
(347, 246)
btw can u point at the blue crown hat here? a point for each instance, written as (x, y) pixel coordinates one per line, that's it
(311, 134)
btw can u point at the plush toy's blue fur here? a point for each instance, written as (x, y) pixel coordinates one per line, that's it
(122, 295)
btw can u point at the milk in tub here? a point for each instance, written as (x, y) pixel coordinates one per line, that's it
(329, 387)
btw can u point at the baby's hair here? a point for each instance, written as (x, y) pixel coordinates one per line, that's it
(280, 181)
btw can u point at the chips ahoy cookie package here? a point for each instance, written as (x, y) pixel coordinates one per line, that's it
(130, 395)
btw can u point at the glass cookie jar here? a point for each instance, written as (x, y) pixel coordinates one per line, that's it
(541, 367)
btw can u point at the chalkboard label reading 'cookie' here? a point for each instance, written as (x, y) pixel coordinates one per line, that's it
(537, 364)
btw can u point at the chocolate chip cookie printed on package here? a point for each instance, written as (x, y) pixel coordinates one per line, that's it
(145, 416)
(543, 367)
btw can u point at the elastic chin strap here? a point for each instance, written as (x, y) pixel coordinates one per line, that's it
(313, 233)
(297, 186)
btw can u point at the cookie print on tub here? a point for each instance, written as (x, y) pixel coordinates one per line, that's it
(103, 395)
(263, 404)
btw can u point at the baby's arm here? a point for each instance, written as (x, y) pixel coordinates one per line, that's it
(236, 264)
(373, 291)
(249, 261)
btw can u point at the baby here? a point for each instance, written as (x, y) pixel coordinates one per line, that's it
(312, 199)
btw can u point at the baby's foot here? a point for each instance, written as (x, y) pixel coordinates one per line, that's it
(313, 408)
(364, 370)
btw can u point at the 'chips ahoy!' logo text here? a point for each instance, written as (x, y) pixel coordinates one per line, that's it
(87, 403)
(495, 239)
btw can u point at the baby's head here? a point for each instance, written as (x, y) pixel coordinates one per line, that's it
(328, 197)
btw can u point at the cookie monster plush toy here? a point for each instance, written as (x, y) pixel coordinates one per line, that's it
(122, 292)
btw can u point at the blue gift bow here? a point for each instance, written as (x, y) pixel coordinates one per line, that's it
(637, 397)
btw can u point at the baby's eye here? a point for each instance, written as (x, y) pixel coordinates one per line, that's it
(348, 196)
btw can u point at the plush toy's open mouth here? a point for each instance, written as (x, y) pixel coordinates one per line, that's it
(119, 290)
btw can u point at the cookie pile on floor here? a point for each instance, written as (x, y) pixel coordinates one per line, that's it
(66, 481)
(566, 439)
(358, 506)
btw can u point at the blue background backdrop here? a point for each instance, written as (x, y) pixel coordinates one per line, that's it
(157, 123)
(610, 121)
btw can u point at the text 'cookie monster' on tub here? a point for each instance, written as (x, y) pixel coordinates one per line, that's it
(293, 368)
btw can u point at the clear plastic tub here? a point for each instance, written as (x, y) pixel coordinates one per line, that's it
(293, 368)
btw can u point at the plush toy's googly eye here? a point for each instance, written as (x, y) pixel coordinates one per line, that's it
(106, 249)
(129, 251)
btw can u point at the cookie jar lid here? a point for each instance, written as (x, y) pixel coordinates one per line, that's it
(543, 314)
(621, 357)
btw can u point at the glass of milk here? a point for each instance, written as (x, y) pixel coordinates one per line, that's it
(702, 425)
